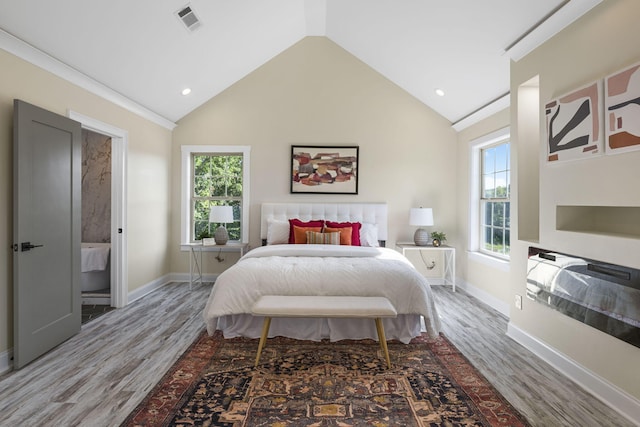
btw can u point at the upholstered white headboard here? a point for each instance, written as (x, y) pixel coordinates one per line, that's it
(374, 213)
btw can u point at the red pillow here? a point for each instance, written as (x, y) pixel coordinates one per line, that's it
(355, 230)
(296, 222)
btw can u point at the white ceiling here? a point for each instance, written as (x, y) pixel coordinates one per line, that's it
(141, 51)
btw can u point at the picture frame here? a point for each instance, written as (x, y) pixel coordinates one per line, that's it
(324, 169)
(622, 95)
(574, 127)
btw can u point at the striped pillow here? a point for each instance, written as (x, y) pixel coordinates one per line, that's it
(316, 238)
(299, 233)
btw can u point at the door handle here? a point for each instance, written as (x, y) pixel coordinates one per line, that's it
(27, 246)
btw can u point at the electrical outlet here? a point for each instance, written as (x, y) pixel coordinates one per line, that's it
(518, 302)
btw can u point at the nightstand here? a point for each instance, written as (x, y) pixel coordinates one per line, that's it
(449, 256)
(195, 256)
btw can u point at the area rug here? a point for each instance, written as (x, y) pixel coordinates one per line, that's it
(304, 383)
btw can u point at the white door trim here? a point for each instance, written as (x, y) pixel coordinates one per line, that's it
(119, 144)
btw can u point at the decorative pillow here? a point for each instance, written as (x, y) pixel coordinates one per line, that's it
(277, 232)
(345, 236)
(369, 235)
(300, 233)
(355, 230)
(296, 222)
(314, 238)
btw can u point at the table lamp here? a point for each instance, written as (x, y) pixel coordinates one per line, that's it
(421, 217)
(221, 215)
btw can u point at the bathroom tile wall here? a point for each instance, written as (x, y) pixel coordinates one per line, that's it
(96, 187)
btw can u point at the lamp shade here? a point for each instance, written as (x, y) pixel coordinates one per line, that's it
(421, 216)
(221, 214)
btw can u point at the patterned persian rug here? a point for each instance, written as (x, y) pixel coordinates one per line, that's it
(304, 383)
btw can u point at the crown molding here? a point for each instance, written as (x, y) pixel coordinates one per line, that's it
(483, 112)
(549, 27)
(25, 51)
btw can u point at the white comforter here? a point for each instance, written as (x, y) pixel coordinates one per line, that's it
(321, 270)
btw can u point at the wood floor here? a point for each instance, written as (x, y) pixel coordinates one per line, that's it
(96, 378)
(541, 393)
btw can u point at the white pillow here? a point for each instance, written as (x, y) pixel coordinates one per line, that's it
(277, 232)
(369, 235)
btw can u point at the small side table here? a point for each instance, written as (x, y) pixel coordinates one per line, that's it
(195, 256)
(449, 270)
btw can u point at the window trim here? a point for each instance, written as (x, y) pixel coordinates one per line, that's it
(185, 202)
(475, 188)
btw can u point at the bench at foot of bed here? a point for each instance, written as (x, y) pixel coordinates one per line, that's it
(324, 306)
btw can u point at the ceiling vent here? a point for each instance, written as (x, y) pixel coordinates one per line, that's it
(188, 18)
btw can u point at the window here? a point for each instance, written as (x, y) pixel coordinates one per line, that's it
(494, 200)
(216, 181)
(214, 176)
(490, 184)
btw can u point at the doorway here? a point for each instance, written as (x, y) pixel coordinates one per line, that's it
(118, 289)
(95, 246)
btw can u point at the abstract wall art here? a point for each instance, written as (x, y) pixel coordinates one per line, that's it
(324, 169)
(573, 124)
(622, 111)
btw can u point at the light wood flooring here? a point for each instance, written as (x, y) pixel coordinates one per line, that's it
(99, 376)
(540, 392)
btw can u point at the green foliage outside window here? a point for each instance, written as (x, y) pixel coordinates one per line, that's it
(496, 192)
(217, 181)
(496, 227)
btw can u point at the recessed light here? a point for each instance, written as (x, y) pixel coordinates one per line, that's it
(186, 91)
(439, 92)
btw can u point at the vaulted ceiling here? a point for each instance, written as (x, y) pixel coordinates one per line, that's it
(142, 51)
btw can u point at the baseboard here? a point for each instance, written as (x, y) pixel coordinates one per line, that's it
(148, 288)
(618, 399)
(6, 362)
(164, 280)
(493, 302)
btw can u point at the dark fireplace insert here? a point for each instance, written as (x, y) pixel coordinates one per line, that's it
(602, 295)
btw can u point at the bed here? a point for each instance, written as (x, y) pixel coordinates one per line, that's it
(283, 268)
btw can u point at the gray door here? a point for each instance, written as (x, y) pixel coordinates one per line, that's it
(46, 231)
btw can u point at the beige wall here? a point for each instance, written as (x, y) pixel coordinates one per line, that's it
(481, 275)
(602, 42)
(317, 93)
(148, 173)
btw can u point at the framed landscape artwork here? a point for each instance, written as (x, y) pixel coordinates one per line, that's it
(324, 169)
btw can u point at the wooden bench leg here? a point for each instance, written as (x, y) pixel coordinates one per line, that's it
(383, 341)
(263, 338)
